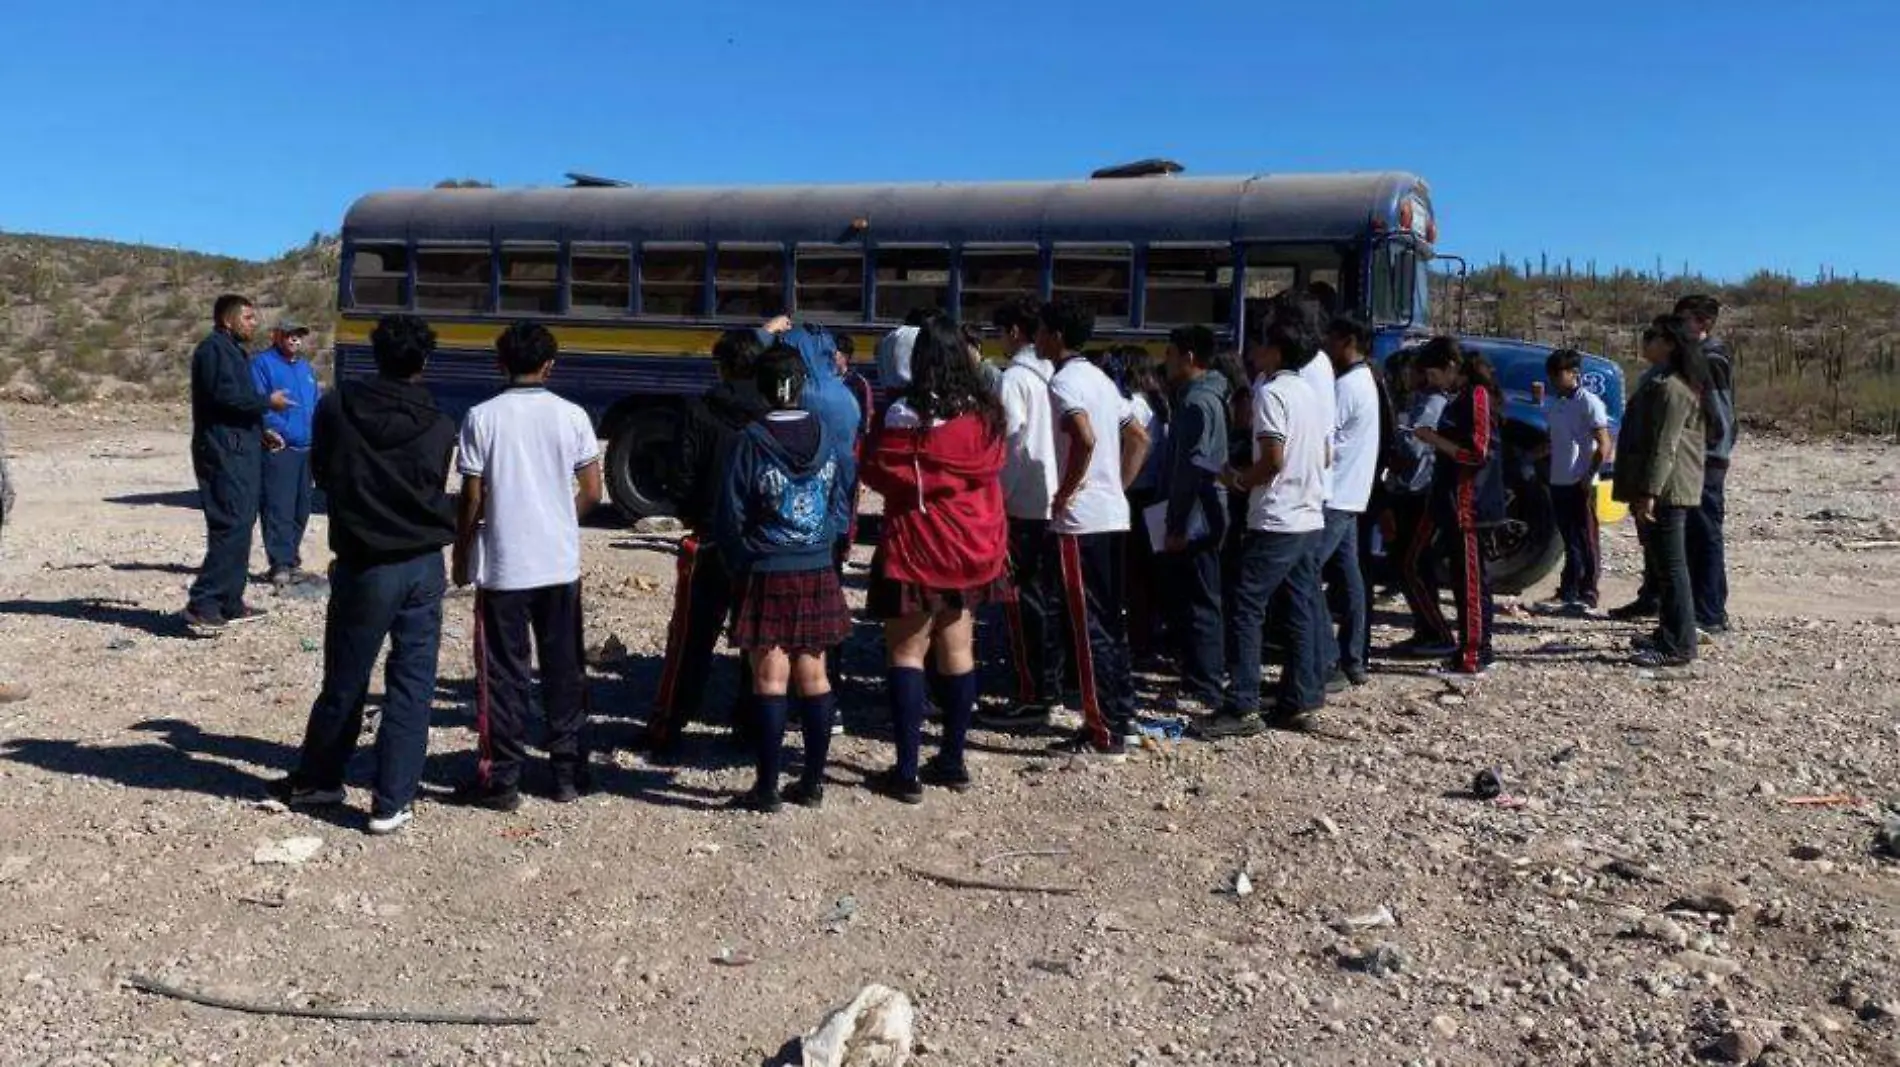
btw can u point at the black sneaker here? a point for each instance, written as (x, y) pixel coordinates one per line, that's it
(1081, 745)
(1298, 722)
(903, 790)
(1358, 677)
(569, 790)
(1338, 683)
(812, 797)
(1635, 609)
(955, 779)
(204, 622)
(282, 576)
(1228, 724)
(1017, 717)
(1421, 648)
(762, 801)
(493, 798)
(246, 613)
(292, 795)
(1656, 659)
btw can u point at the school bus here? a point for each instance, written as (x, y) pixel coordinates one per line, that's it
(636, 282)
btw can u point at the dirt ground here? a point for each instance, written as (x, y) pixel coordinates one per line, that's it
(1652, 889)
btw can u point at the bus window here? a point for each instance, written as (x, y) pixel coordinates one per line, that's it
(911, 278)
(994, 275)
(672, 281)
(1096, 278)
(749, 283)
(1269, 273)
(452, 279)
(531, 279)
(379, 276)
(830, 282)
(1190, 286)
(600, 279)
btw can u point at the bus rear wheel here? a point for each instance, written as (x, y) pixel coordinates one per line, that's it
(638, 455)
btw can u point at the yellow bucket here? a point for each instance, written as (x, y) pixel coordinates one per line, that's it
(1609, 512)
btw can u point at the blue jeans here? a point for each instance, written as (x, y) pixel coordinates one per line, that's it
(403, 603)
(1708, 558)
(286, 506)
(1270, 562)
(1339, 569)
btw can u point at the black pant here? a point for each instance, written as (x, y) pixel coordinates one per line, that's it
(1574, 509)
(400, 602)
(702, 598)
(1708, 556)
(1665, 556)
(1035, 620)
(504, 621)
(286, 506)
(1092, 590)
(1193, 579)
(229, 463)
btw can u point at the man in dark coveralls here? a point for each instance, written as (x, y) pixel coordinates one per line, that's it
(227, 455)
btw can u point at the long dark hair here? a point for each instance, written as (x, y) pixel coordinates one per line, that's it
(944, 381)
(1442, 352)
(1687, 360)
(1142, 373)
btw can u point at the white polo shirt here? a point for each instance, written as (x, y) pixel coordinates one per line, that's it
(1286, 410)
(526, 445)
(1574, 421)
(1030, 475)
(1318, 376)
(1099, 505)
(1355, 439)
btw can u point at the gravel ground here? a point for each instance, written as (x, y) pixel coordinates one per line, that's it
(1649, 890)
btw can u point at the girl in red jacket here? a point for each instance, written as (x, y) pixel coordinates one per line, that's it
(936, 458)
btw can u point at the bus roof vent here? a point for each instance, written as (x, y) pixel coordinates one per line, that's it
(1141, 168)
(577, 180)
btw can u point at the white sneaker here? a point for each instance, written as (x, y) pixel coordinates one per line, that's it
(382, 825)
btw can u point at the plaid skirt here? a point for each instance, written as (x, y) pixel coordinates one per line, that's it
(890, 598)
(798, 611)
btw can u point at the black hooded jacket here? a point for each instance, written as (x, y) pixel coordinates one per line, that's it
(380, 452)
(706, 434)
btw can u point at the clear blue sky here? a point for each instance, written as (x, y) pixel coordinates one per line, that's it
(1729, 135)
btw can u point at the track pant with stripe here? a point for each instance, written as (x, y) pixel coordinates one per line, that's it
(510, 625)
(1418, 575)
(702, 598)
(1092, 573)
(1574, 510)
(1035, 619)
(1470, 579)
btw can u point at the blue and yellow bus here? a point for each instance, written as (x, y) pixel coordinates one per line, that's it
(637, 282)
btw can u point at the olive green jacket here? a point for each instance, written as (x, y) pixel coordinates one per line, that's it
(1661, 448)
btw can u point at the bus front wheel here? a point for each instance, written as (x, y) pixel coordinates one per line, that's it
(1526, 548)
(637, 457)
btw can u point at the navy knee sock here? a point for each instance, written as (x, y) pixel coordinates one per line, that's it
(771, 740)
(814, 718)
(907, 717)
(959, 706)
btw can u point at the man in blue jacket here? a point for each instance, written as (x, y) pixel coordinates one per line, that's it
(227, 455)
(287, 482)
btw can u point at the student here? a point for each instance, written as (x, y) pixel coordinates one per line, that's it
(1467, 492)
(781, 510)
(227, 455)
(1659, 474)
(1191, 565)
(1285, 487)
(530, 467)
(937, 458)
(1356, 442)
(702, 590)
(1098, 449)
(1708, 557)
(1414, 532)
(1144, 382)
(380, 451)
(1579, 429)
(1306, 315)
(285, 502)
(1029, 479)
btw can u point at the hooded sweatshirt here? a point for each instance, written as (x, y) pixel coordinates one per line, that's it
(944, 526)
(706, 434)
(780, 510)
(380, 452)
(826, 395)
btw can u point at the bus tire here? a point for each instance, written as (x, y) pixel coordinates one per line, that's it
(636, 457)
(1526, 548)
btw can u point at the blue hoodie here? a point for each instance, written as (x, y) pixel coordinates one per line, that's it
(780, 512)
(826, 395)
(271, 371)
